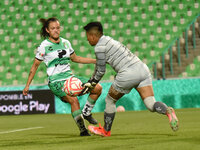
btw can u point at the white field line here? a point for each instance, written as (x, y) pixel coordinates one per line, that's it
(18, 130)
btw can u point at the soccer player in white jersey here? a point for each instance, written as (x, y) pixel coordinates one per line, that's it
(131, 73)
(56, 52)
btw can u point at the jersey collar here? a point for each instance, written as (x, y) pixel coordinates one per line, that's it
(53, 42)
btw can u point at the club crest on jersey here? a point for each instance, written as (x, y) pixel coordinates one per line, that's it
(65, 44)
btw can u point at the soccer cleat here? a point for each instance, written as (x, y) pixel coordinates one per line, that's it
(85, 133)
(173, 120)
(90, 119)
(99, 130)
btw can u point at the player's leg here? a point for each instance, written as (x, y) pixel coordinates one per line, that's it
(148, 98)
(76, 114)
(93, 96)
(145, 90)
(109, 113)
(110, 110)
(56, 88)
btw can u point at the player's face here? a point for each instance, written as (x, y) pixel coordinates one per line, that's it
(54, 30)
(92, 39)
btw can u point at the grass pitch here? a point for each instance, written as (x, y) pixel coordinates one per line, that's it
(138, 130)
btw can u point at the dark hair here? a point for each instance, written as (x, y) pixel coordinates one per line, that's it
(45, 23)
(92, 25)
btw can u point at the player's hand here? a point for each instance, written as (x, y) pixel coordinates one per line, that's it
(88, 86)
(26, 90)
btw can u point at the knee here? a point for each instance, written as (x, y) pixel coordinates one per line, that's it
(98, 89)
(149, 103)
(71, 100)
(110, 100)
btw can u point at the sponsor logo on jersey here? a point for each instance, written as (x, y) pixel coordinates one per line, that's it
(50, 48)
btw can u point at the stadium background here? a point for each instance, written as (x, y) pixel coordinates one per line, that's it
(163, 33)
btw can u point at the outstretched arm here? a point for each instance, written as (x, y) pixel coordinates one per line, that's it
(83, 60)
(32, 72)
(100, 70)
(100, 67)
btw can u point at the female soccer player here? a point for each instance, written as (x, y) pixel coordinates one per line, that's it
(131, 73)
(56, 52)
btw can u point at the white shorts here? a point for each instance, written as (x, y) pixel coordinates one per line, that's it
(135, 76)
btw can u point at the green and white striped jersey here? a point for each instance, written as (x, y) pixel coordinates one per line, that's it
(56, 57)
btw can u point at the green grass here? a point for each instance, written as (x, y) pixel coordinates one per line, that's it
(131, 130)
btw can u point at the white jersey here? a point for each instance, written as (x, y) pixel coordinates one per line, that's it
(56, 57)
(114, 53)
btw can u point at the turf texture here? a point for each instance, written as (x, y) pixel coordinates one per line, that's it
(137, 130)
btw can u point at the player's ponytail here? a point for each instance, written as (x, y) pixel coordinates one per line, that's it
(45, 25)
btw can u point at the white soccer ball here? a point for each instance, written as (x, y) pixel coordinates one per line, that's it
(73, 86)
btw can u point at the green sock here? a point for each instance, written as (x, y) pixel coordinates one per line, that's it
(79, 120)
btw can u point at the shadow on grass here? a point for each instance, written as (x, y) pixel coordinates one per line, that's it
(146, 134)
(43, 139)
(55, 139)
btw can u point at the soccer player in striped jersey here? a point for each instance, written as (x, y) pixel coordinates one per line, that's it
(56, 52)
(131, 73)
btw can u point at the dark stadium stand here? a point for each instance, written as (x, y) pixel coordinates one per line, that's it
(147, 27)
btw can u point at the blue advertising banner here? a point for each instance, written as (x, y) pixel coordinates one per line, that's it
(36, 102)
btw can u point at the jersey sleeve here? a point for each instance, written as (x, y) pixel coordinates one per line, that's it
(100, 67)
(68, 45)
(71, 50)
(40, 53)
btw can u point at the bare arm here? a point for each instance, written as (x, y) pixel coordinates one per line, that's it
(32, 72)
(83, 60)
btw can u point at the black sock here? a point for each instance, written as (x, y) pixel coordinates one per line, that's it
(160, 107)
(108, 120)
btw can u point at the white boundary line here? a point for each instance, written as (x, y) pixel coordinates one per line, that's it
(18, 130)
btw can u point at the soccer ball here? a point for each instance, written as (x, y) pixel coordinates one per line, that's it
(73, 86)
